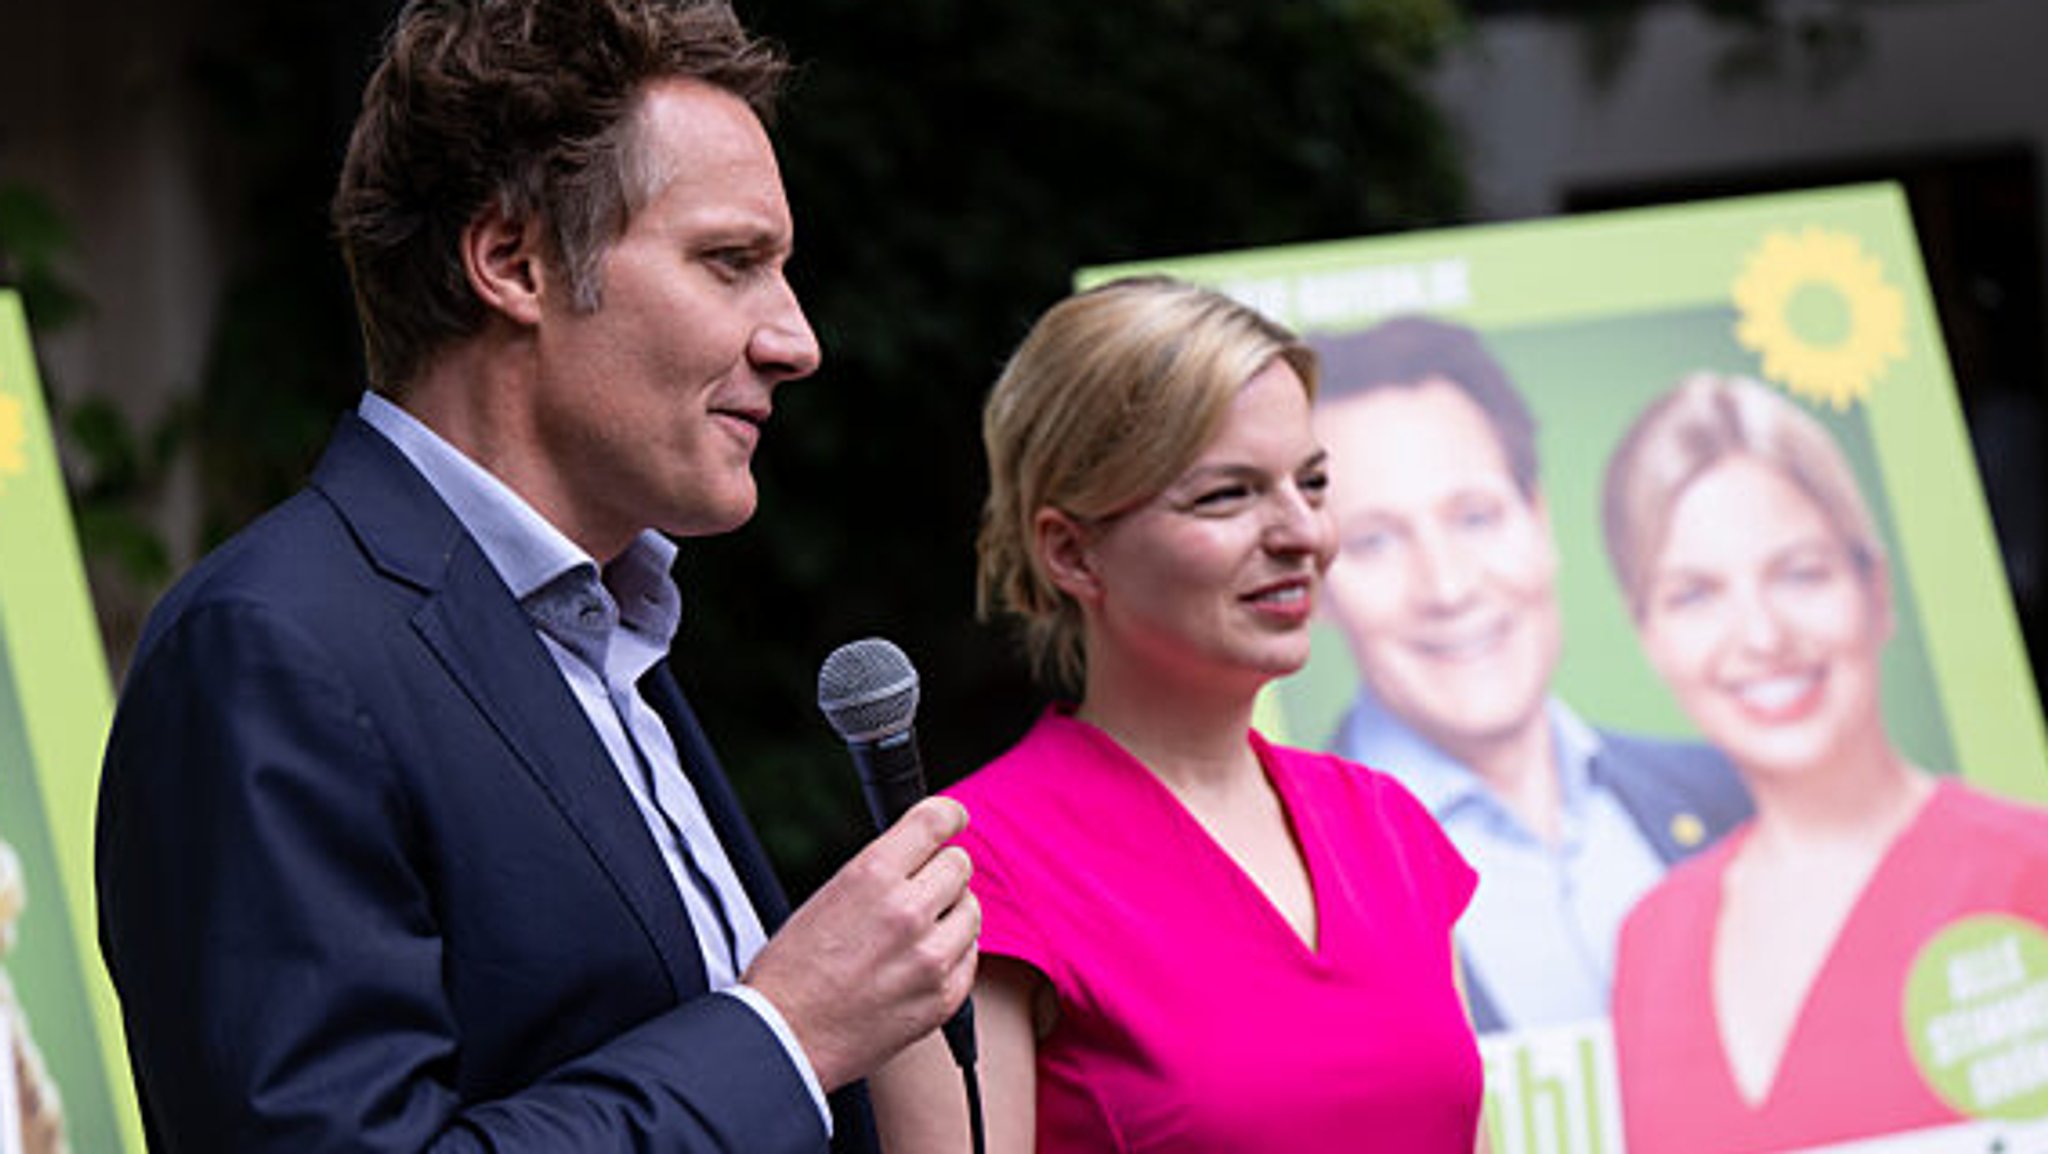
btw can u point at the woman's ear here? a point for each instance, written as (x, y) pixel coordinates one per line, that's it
(501, 256)
(1062, 547)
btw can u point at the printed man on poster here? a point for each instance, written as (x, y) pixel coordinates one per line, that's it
(1445, 591)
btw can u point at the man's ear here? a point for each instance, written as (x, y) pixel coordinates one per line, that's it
(1062, 547)
(501, 255)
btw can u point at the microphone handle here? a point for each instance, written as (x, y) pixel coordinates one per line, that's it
(891, 775)
(892, 780)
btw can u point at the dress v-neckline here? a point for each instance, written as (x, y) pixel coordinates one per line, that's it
(1823, 979)
(1311, 859)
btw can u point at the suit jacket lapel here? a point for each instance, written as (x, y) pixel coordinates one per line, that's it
(853, 1121)
(700, 763)
(483, 639)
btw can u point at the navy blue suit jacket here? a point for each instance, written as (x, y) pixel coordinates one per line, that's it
(368, 881)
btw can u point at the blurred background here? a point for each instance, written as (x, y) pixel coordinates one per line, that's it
(165, 165)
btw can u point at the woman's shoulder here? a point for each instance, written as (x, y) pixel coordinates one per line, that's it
(1059, 766)
(1968, 812)
(1980, 849)
(1333, 785)
(1319, 769)
(1688, 892)
(1008, 772)
(1297, 759)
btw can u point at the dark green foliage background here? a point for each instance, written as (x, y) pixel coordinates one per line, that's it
(951, 165)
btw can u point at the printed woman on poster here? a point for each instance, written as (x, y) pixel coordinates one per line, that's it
(30, 1120)
(1761, 990)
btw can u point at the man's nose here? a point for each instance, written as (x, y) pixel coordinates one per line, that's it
(1444, 570)
(784, 346)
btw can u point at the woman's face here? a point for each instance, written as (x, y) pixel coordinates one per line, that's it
(1766, 629)
(1217, 575)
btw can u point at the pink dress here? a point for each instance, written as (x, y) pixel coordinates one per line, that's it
(1192, 1017)
(1847, 1071)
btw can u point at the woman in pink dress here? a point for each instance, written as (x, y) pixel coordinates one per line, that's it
(1759, 989)
(1194, 939)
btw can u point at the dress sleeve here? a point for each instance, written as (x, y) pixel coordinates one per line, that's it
(1439, 868)
(1007, 928)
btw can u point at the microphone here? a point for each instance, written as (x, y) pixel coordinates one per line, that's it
(868, 692)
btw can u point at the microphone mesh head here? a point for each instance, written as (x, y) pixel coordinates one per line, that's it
(867, 690)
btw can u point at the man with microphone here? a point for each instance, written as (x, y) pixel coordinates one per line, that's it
(408, 840)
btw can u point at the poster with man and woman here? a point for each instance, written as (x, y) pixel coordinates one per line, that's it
(1665, 581)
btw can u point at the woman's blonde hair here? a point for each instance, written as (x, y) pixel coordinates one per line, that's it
(1110, 397)
(1706, 419)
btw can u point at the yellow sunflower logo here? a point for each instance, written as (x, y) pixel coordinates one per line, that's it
(1818, 310)
(13, 439)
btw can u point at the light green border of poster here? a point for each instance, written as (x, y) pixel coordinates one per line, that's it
(1662, 260)
(52, 648)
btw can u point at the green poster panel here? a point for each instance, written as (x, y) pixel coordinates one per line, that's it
(1595, 314)
(55, 702)
(1817, 301)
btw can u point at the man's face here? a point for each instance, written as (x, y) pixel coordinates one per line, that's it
(1445, 580)
(646, 411)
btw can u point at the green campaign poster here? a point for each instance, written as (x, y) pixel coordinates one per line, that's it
(56, 1006)
(1718, 512)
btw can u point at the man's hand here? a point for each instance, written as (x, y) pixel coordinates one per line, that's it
(882, 953)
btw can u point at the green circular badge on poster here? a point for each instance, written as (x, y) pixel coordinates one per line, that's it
(1976, 1015)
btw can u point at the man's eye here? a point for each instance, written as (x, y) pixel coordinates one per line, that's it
(1367, 544)
(1478, 515)
(1685, 595)
(734, 261)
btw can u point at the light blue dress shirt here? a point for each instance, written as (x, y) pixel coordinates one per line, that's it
(1541, 930)
(639, 606)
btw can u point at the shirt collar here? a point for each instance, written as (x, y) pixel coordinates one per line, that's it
(1372, 735)
(1577, 748)
(520, 544)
